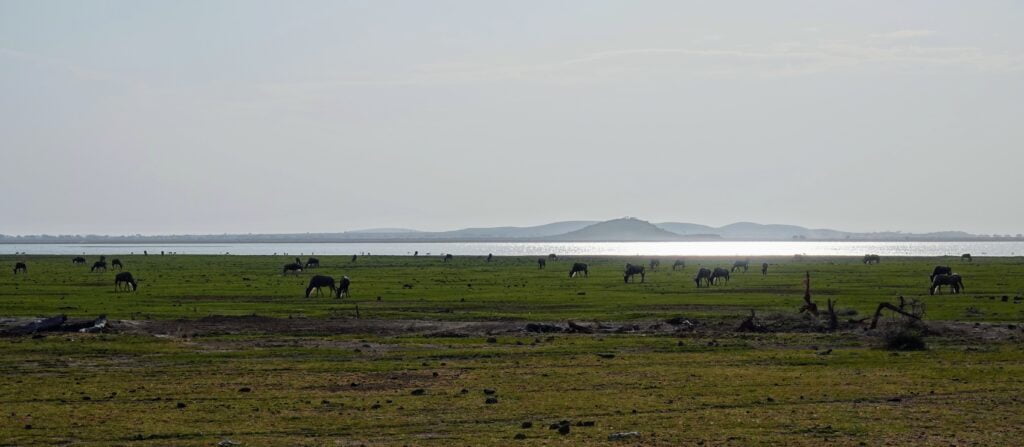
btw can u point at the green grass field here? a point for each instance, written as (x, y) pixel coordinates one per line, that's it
(709, 386)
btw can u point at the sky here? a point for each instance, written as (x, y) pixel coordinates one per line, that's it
(145, 117)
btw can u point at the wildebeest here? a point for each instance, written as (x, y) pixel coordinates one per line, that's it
(703, 275)
(78, 260)
(116, 263)
(123, 280)
(632, 270)
(448, 257)
(318, 281)
(541, 263)
(954, 281)
(655, 263)
(966, 257)
(353, 258)
(578, 268)
(764, 269)
(98, 265)
(312, 263)
(553, 257)
(343, 287)
(20, 267)
(293, 267)
(718, 274)
(490, 256)
(741, 265)
(872, 259)
(940, 270)
(679, 263)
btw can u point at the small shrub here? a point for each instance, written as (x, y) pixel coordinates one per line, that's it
(904, 339)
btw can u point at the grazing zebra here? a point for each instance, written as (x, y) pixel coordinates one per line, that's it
(124, 280)
(741, 265)
(954, 281)
(578, 268)
(703, 275)
(318, 281)
(718, 274)
(632, 270)
(20, 267)
(679, 263)
(940, 270)
(343, 287)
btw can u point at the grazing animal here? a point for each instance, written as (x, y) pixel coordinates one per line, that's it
(20, 267)
(578, 268)
(940, 270)
(490, 256)
(553, 257)
(78, 260)
(117, 264)
(123, 280)
(632, 270)
(98, 265)
(541, 263)
(764, 269)
(655, 263)
(448, 257)
(293, 267)
(318, 281)
(745, 265)
(954, 281)
(416, 253)
(872, 259)
(718, 274)
(703, 275)
(312, 263)
(343, 287)
(679, 263)
(353, 258)
(966, 257)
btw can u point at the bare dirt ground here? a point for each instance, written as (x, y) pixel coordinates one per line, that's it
(774, 323)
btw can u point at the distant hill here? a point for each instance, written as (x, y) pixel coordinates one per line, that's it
(384, 231)
(625, 229)
(539, 231)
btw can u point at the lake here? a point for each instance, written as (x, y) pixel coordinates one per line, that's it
(703, 248)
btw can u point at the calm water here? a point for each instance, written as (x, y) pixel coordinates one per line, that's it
(774, 248)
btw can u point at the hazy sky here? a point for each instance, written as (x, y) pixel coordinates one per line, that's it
(293, 116)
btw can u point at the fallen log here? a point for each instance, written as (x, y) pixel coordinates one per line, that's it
(573, 327)
(41, 325)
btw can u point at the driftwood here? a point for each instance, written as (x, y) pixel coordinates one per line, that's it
(897, 309)
(573, 327)
(41, 325)
(750, 324)
(809, 306)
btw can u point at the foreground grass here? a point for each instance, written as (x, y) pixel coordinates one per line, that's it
(744, 390)
(691, 388)
(507, 288)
